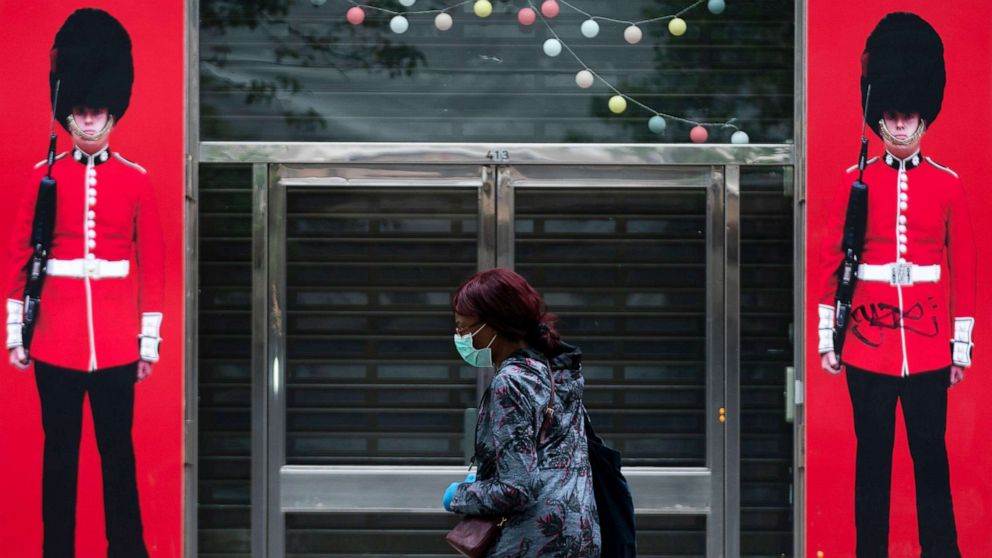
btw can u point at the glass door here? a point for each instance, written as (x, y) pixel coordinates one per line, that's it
(366, 405)
(636, 261)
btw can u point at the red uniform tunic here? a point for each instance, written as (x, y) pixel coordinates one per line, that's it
(917, 215)
(106, 212)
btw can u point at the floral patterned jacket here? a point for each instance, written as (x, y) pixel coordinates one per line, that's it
(544, 490)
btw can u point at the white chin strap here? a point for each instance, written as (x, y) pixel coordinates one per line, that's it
(102, 133)
(887, 135)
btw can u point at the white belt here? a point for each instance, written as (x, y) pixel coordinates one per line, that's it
(94, 269)
(899, 273)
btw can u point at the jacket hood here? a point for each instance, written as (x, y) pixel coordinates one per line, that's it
(566, 363)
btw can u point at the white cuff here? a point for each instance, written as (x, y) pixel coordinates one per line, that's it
(148, 341)
(961, 345)
(15, 323)
(826, 328)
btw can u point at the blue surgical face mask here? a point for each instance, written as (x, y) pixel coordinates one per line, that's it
(480, 358)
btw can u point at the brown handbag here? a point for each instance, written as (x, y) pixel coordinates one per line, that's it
(474, 535)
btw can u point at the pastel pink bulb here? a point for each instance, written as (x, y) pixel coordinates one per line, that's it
(526, 16)
(698, 134)
(550, 8)
(356, 15)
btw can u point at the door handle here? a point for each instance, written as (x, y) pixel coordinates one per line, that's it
(790, 394)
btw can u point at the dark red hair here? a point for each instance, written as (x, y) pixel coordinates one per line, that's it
(505, 301)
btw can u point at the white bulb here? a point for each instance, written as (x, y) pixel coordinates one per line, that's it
(739, 137)
(408, 3)
(552, 47)
(590, 28)
(443, 21)
(633, 34)
(584, 79)
(399, 24)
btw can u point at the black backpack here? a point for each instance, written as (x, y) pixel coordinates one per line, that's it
(613, 500)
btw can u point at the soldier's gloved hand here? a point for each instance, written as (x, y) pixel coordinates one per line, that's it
(19, 358)
(450, 492)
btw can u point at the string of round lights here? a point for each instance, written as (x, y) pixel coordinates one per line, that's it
(618, 102)
(399, 23)
(553, 47)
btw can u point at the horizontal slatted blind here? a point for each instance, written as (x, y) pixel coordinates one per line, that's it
(291, 71)
(224, 364)
(372, 376)
(370, 273)
(422, 535)
(766, 350)
(625, 269)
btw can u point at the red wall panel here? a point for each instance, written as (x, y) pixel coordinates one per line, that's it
(151, 134)
(958, 139)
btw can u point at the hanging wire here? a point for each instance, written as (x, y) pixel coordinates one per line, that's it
(616, 91)
(624, 21)
(411, 12)
(597, 75)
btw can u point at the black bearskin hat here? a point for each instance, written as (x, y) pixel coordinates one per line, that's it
(903, 61)
(91, 57)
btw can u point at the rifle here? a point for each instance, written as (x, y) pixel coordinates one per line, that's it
(853, 242)
(42, 230)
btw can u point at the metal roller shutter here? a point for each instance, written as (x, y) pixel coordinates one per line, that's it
(224, 365)
(766, 351)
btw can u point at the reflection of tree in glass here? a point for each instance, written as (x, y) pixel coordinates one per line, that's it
(735, 65)
(262, 50)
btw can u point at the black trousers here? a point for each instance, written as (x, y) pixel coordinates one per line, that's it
(111, 395)
(924, 407)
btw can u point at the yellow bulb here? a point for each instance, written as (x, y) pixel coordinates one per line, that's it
(677, 27)
(483, 8)
(618, 104)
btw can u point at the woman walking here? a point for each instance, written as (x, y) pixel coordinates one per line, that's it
(533, 465)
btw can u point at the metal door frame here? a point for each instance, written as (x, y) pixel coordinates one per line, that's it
(262, 155)
(278, 488)
(692, 486)
(722, 468)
